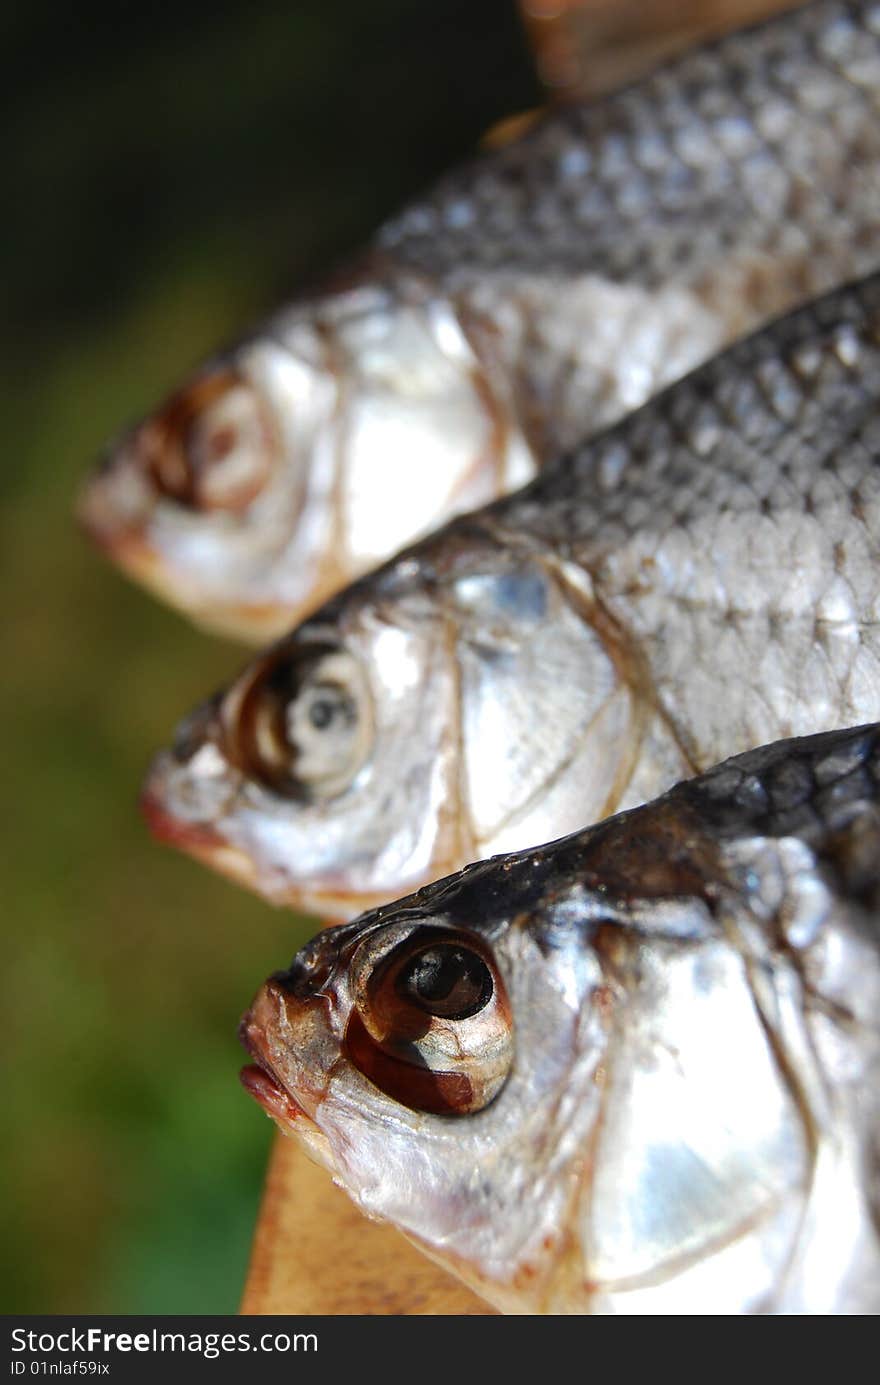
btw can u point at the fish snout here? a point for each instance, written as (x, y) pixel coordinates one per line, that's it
(267, 1017)
(185, 801)
(116, 504)
(259, 1077)
(167, 825)
(188, 786)
(257, 1022)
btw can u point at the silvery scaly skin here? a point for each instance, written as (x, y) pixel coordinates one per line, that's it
(703, 578)
(528, 301)
(632, 1071)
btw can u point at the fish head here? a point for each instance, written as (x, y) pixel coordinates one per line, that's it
(456, 697)
(320, 773)
(569, 1075)
(198, 501)
(308, 453)
(391, 1049)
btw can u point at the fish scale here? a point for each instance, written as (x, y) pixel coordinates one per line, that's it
(701, 143)
(715, 199)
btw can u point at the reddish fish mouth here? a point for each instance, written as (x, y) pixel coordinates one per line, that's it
(260, 1080)
(266, 1090)
(122, 537)
(166, 827)
(201, 840)
(117, 541)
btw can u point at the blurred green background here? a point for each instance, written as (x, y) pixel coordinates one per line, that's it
(170, 173)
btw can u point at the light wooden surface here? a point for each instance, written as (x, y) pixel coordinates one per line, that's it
(314, 1253)
(584, 47)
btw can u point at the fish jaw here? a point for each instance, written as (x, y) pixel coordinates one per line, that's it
(200, 839)
(120, 529)
(113, 511)
(271, 1096)
(260, 1078)
(208, 841)
(213, 794)
(114, 505)
(211, 844)
(129, 549)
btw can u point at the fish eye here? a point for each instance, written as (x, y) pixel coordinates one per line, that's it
(301, 725)
(447, 981)
(431, 1025)
(214, 444)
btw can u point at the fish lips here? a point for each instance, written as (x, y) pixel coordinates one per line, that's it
(260, 1078)
(121, 534)
(199, 839)
(114, 509)
(206, 839)
(124, 543)
(267, 1091)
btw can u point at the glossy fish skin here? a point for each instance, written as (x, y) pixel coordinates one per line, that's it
(689, 1119)
(529, 300)
(703, 578)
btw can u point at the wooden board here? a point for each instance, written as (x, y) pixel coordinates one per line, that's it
(314, 1253)
(585, 47)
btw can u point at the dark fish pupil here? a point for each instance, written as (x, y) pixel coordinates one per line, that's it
(219, 444)
(448, 981)
(328, 704)
(321, 714)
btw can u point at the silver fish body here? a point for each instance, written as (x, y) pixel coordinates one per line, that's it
(528, 301)
(632, 1071)
(703, 578)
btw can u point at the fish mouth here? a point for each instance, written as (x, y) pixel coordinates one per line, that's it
(268, 1092)
(196, 814)
(122, 538)
(199, 840)
(122, 542)
(262, 1082)
(113, 509)
(209, 844)
(193, 836)
(126, 546)
(262, 1079)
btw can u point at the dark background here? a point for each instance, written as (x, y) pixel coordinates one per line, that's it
(170, 173)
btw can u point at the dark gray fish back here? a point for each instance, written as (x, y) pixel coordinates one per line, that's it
(811, 787)
(766, 139)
